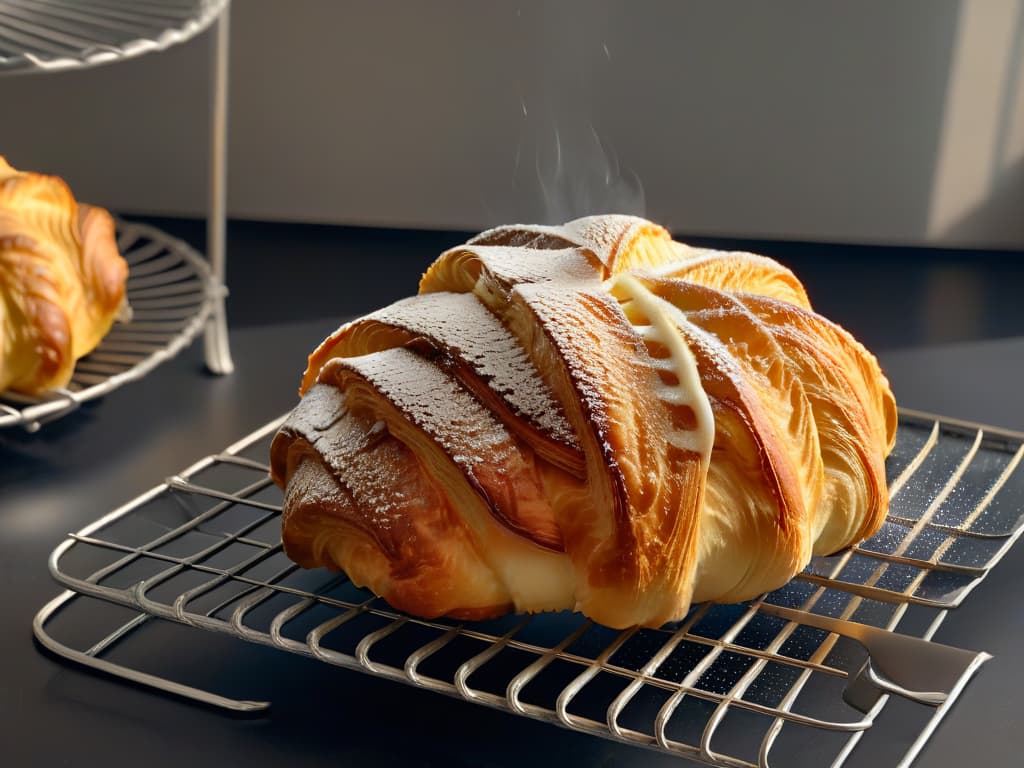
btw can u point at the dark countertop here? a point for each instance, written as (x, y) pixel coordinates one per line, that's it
(76, 469)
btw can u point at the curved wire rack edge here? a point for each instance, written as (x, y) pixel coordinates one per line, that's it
(96, 55)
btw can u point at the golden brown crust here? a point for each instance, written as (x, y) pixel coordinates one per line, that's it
(856, 412)
(617, 243)
(593, 417)
(413, 551)
(62, 280)
(632, 545)
(735, 271)
(459, 334)
(766, 442)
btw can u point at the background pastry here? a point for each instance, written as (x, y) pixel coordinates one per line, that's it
(62, 280)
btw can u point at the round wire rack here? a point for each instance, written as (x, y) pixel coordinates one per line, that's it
(50, 35)
(171, 292)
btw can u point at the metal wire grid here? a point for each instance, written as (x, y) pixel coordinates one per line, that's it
(171, 293)
(727, 686)
(50, 35)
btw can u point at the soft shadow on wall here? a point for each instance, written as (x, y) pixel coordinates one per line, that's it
(979, 178)
(978, 186)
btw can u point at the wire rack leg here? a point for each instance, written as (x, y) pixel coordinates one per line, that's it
(87, 659)
(215, 340)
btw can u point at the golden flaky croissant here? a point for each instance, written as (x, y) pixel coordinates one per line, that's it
(591, 417)
(62, 280)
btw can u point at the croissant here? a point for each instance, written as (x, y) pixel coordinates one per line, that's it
(62, 280)
(589, 417)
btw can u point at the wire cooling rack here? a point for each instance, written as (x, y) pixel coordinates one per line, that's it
(730, 685)
(51, 35)
(171, 293)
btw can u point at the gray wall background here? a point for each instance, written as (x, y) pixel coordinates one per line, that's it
(786, 119)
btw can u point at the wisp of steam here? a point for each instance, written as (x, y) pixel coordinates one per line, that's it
(563, 170)
(564, 167)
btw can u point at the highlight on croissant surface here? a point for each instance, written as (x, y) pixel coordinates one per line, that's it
(589, 417)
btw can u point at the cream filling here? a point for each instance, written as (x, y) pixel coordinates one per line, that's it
(663, 323)
(536, 579)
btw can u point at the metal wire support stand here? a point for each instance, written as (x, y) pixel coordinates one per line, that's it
(39, 36)
(803, 671)
(215, 340)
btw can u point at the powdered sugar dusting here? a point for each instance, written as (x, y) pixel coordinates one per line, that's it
(525, 236)
(510, 266)
(318, 411)
(604, 235)
(436, 403)
(356, 453)
(571, 316)
(599, 235)
(465, 328)
(371, 473)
